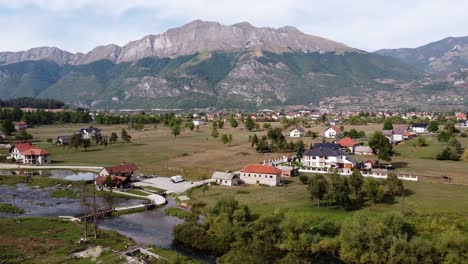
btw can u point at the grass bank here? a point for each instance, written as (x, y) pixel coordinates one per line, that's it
(44, 240)
(179, 213)
(10, 209)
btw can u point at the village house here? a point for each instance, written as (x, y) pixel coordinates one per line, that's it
(21, 125)
(260, 174)
(125, 169)
(287, 171)
(29, 154)
(89, 133)
(463, 123)
(331, 132)
(460, 116)
(63, 140)
(119, 182)
(397, 135)
(327, 158)
(227, 178)
(419, 128)
(297, 132)
(198, 122)
(363, 150)
(348, 143)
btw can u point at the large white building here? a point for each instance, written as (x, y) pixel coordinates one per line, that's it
(419, 128)
(26, 153)
(318, 158)
(260, 174)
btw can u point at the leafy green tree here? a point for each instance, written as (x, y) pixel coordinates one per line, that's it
(388, 124)
(125, 136)
(276, 135)
(8, 127)
(86, 143)
(76, 141)
(175, 129)
(339, 190)
(24, 135)
(224, 139)
(422, 142)
(262, 145)
(214, 132)
(370, 239)
(395, 185)
(105, 141)
(444, 136)
(249, 123)
(254, 140)
(220, 124)
(113, 138)
(300, 148)
(234, 122)
(433, 126)
(304, 178)
(229, 139)
(374, 190)
(190, 125)
(356, 180)
(381, 145)
(318, 187)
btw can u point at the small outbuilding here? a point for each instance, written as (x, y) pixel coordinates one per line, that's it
(226, 178)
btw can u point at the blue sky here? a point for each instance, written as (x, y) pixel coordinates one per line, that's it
(80, 25)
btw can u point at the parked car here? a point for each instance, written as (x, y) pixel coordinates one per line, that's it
(177, 179)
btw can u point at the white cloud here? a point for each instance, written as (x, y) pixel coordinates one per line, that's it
(365, 24)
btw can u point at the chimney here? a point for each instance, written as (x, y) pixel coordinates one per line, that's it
(123, 162)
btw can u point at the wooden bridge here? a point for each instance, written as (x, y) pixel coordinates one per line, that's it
(107, 211)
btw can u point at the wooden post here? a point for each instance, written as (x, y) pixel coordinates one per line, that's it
(95, 212)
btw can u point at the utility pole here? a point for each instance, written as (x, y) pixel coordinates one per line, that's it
(83, 207)
(14, 208)
(95, 212)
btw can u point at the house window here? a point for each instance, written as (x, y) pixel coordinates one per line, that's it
(271, 176)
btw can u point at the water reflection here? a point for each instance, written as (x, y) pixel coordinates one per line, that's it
(57, 174)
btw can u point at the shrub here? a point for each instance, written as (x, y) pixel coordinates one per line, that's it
(304, 179)
(463, 134)
(50, 140)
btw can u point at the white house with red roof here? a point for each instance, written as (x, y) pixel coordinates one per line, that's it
(29, 154)
(348, 143)
(331, 132)
(261, 174)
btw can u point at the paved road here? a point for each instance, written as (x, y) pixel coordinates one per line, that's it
(166, 184)
(18, 166)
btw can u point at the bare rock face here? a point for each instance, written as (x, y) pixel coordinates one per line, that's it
(196, 36)
(43, 53)
(199, 36)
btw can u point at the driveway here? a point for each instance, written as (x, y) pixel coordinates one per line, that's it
(166, 184)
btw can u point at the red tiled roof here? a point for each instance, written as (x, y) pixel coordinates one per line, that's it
(35, 152)
(22, 147)
(337, 129)
(124, 168)
(347, 142)
(259, 168)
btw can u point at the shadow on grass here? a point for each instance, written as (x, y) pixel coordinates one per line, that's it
(399, 164)
(57, 161)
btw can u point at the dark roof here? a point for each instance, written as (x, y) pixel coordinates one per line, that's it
(325, 152)
(300, 129)
(419, 125)
(90, 130)
(327, 145)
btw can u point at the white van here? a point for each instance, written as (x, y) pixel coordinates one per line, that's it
(177, 179)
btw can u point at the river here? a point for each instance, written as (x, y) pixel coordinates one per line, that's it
(152, 227)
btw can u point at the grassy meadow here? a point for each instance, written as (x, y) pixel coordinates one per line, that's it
(420, 197)
(195, 154)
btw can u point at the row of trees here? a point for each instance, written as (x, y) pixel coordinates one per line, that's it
(336, 191)
(41, 117)
(231, 233)
(274, 141)
(77, 140)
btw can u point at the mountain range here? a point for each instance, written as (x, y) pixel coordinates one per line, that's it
(207, 64)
